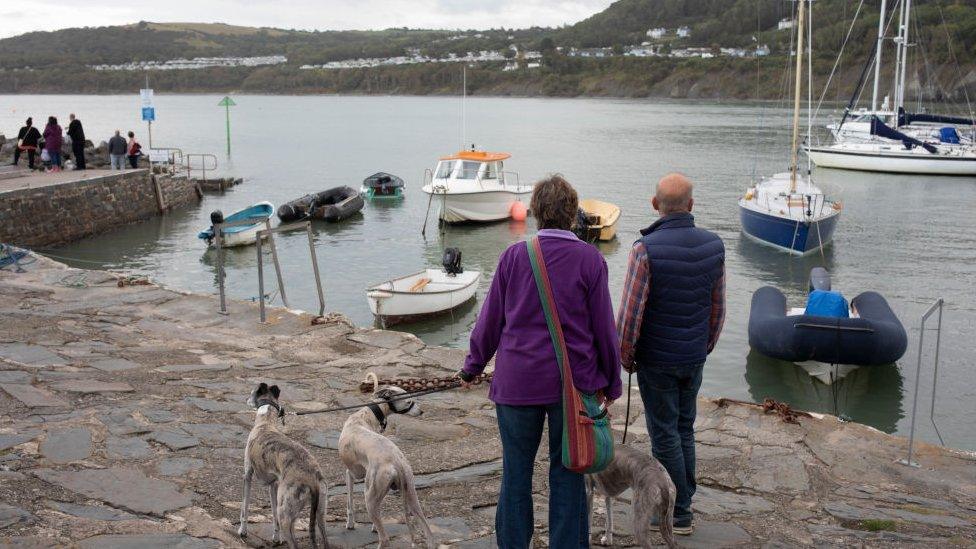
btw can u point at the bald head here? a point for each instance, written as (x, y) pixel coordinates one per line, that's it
(673, 194)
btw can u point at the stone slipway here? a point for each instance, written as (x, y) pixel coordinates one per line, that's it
(122, 424)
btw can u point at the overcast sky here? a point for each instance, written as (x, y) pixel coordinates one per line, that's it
(20, 17)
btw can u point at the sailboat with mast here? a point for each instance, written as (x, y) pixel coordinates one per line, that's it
(788, 211)
(890, 139)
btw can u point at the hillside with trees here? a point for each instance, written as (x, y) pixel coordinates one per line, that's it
(943, 31)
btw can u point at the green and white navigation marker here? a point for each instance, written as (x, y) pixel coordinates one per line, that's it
(227, 103)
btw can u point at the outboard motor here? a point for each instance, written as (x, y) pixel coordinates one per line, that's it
(452, 261)
(216, 217)
(819, 279)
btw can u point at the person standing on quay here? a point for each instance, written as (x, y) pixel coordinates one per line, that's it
(53, 140)
(669, 320)
(134, 151)
(116, 150)
(77, 135)
(27, 139)
(526, 386)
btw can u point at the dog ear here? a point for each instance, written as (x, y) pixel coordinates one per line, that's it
(262, 388)
(275, 391)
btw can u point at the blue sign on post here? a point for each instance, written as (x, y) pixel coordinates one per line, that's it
(148, 114)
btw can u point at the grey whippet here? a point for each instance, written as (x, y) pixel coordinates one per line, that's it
(369, 455)
(290, 471)
(653, 493)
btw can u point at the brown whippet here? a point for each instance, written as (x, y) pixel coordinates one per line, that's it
(293, 476)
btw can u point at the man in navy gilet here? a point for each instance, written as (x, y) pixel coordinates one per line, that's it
(670, 318)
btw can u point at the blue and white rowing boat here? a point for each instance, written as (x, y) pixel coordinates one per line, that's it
(241, 235)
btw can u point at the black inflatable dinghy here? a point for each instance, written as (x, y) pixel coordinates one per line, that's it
(871, 336)
(332, 205)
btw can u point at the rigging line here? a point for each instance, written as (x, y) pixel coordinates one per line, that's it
(850, 30)
(952, 52)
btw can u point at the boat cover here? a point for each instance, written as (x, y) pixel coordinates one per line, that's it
(905, 118)
(949, 135)
(881, 129)
(827, 303)
(874, 338)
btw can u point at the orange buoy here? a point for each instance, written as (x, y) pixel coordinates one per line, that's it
(519, 211)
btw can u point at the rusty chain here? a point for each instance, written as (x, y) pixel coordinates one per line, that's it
(416, 384)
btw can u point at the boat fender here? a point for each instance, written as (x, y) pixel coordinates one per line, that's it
(452, 261)
(518, 211)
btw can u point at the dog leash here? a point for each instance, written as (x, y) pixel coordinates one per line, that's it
(405, 396)
(630, 379)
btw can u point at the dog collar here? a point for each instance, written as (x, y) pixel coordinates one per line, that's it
(281, 411)
(378, 413)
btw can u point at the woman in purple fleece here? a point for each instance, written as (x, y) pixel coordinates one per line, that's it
(526, 385)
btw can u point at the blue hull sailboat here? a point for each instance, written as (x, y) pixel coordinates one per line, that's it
(788, 211)
(799, 222)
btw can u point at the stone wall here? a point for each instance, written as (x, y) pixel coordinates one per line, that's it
(57, 214)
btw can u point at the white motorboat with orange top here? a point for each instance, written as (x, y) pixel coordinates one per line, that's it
(474, 186)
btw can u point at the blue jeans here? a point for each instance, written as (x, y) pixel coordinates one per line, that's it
(520, 428)
(670, 396)
(116, 160)
(55, 158)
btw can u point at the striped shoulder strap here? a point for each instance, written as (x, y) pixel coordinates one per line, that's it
(548, 305)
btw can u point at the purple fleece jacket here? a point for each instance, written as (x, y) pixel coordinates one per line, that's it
(512, 327)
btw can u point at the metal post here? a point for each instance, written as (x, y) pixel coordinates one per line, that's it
(260, 279)
(315, 267)
(274, 257)
(918, 375)
(935, 373)
(218, 237)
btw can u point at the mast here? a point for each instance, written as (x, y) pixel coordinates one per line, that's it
(800, 22)
(809, 139)
(877, 60)
(904, 56)
(899, 54)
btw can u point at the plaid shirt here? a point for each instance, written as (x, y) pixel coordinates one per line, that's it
(637, 286)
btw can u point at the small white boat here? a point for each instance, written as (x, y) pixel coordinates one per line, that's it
(424, 293)
(241, 235)
(473, 186)
(600, 220)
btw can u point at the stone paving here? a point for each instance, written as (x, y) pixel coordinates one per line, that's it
(122, 424)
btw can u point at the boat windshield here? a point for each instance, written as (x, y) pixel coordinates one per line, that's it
(444, 169)
(469, 170)
(491, 170)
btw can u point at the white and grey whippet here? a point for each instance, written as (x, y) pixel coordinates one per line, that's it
(293, 476)
(371, 456)
(653, 491)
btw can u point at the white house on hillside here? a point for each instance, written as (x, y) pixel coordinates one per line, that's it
(683, 32)
(785, 24)
(657, 33)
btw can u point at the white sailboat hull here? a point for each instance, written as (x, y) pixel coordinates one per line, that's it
(394, 298)
(877, 159)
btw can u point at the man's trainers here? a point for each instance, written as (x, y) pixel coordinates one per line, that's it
(680, 528)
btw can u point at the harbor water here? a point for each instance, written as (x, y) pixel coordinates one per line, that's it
(913, 239)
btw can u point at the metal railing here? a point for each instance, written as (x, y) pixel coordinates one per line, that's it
(937, 306)
(202, 166)
(218, 229)
(174, 157)
(268, 233)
